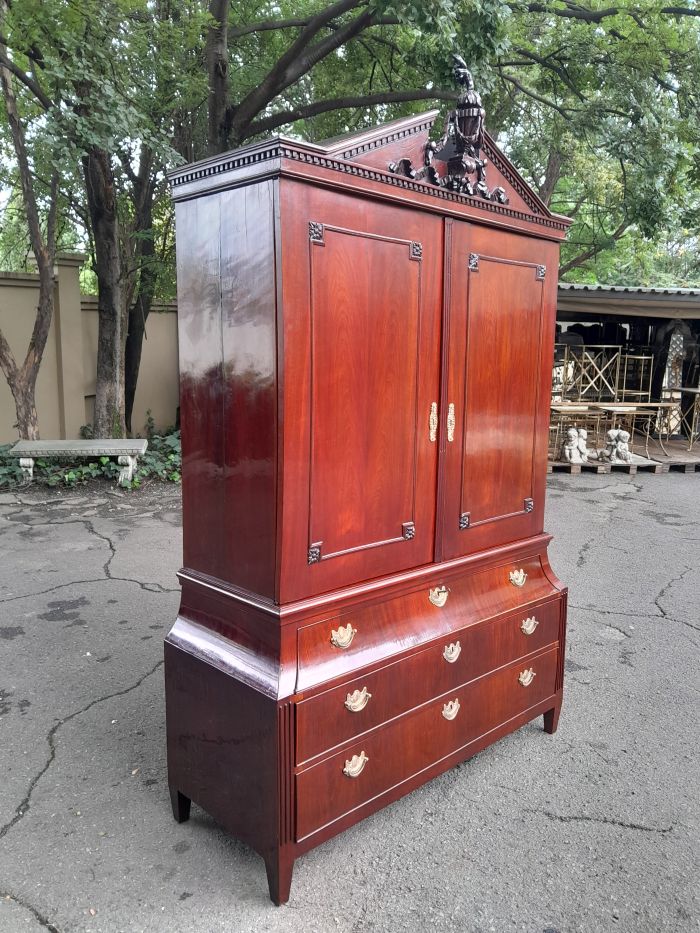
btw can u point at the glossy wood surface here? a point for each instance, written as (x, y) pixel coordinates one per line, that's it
(396, 625)
(228, 389)
(499, 321)
(218, 726)
(362, 305)
(324, 720)
(400, 749)
(325, 306)
(379, 146)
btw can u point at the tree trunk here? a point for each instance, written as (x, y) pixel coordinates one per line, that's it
(23, 392)
(144, 275)
(217, 72)
(102, 205)
(22, 380)
(551, 175)
(138, 313)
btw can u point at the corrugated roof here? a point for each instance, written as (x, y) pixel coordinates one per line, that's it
(628, 289)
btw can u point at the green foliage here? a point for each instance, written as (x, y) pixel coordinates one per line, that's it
(161, 462)
(610, 94)
(10, 472)
(616, 104)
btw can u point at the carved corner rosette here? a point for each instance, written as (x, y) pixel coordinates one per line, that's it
(316, 232)
(540, 273)
(314, 556)
(408, 531)
(464, 521)
(416, 250)
(529, 505)
(458, 151)
(473, 262)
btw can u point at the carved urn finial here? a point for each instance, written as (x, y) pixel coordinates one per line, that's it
(455, 161)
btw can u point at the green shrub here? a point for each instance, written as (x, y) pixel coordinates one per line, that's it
(162, 461)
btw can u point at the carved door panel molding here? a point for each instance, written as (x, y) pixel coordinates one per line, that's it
(498, 331)
(362, 317)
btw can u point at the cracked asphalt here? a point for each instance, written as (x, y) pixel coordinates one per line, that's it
(593, 829)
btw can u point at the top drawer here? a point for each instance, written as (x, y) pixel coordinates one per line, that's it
(363, 636)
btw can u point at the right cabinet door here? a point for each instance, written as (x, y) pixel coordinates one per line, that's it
(501, 305)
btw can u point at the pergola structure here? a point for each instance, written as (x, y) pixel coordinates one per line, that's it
(583, 302)
(626, 356)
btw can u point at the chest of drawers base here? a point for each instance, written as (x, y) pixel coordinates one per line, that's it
(286, 753)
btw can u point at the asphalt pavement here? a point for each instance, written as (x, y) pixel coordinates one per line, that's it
(592, 829)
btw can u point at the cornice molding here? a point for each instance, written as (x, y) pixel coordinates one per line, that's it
(399, 181)
(280, 148)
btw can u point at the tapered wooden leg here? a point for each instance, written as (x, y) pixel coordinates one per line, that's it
(551, 719)
(279, 867)
(181, 805)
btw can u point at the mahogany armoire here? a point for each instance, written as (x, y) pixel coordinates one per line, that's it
(365, 364)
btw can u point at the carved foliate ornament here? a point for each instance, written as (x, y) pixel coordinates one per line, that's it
(315, 231)
(459, 148)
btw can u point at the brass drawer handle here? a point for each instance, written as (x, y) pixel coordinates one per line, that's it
(433, 422)
(452, 652)
(526, 677)
(342, 637)
(438, 596)
(355, 766)
(518, 577)
(357, 701)
(451, 422)
(450, 710)
(528, 626)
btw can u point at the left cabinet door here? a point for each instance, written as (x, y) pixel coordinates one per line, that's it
(361, 296)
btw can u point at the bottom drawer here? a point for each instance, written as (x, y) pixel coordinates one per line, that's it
(389, 755)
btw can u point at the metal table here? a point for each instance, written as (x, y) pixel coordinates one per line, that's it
(642, 418)
(690, 419)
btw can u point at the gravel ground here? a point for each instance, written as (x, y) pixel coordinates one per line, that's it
(593, 829)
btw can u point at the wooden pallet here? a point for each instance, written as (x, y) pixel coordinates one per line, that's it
(679, 459)
(638, 464)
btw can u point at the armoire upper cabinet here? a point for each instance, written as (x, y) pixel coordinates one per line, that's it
(377, 351)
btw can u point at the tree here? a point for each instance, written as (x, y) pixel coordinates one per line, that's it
(84, 77)
(598, 106)
(22, 378)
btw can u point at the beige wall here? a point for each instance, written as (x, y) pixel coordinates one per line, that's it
(66, 383)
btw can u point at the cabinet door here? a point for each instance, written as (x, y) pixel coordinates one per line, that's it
(501, 294)
(362, 297)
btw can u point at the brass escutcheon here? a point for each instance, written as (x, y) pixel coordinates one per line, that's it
(355, 766)
(450, 710)
(452, 652)
(451, 422)
(526, 677)
(528, 626)
(518, 577)
(342, 637)
(433, 422)
(357, 701)
(438, 596)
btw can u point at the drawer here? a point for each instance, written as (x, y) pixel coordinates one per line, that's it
(389, 755)
(363, 636)
(333, 717)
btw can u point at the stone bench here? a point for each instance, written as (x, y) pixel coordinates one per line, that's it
(127, 453)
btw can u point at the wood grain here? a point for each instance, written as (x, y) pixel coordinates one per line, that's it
(324, 307)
